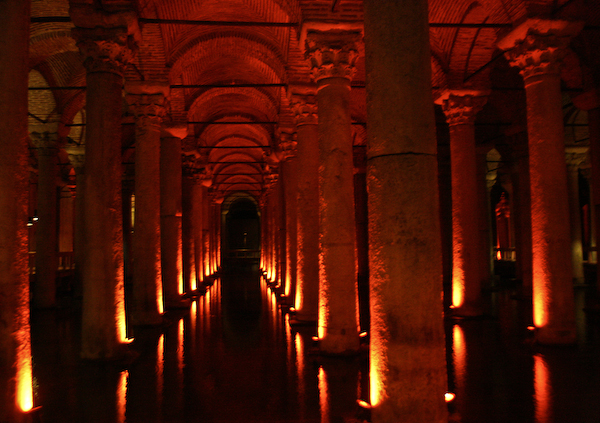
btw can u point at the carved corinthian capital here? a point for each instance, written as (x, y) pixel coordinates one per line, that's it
(461, 108)
(105, 49)
(537, 46)
(148, 103)
(303, 102)
(332, 53)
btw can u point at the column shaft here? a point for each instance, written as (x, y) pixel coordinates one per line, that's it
(407, 346)
(307, 281)
(290, 170)
(16, 394)
(170, 220)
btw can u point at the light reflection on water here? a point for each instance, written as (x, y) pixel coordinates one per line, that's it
(233, 357)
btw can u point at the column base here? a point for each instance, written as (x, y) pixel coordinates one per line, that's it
(147, 319)
(303, 319)
(339, 344)
(178, 303)
(467, 311)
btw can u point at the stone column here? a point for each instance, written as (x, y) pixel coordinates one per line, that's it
(147, 102)
(170, 215)
(594, 128)
(77, 159)
(16, 394)
(332, 56)
(46, 254)
(485, 250)
(536, 47)
(289, 167)
(187, 223)
(460, 108)
(407, 347)
(106, 51)
(304, 103)
(574, 157)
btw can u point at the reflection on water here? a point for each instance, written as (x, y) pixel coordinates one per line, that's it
(233, 357)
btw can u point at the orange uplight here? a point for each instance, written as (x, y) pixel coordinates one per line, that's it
(458, 287)
(323, 395)
(120, 318)
(449, 396)
(299, 297)
(540, 299)
(543, 390)
(530, 327)
(24, 376)
(193, 316)
(459, 356)
(122, 396)
(160, 365)
(180, 332)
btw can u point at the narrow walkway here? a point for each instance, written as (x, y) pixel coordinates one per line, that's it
(233, 358)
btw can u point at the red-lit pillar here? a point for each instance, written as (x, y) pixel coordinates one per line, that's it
(46, 251)
(170, 215)
(304, 103)
(106, 51)
(289, 169)
(147, 101)
(574, 157)
(16, 394)
(536, 47)
(407, 347)
(485, 251)
(187, 222)
(205, 227)
(332, 56)
(460, 109)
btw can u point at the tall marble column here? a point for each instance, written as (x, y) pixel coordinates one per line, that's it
(574, 157)
(460, 108)
(170, 214)
(332, 55)
(147, 102)
(536, 47)
(407, 347)
(16, 393)
(304, 103)
(46, 251)
(289, 167)
(190, 173)
(362, 234)
(106, 51)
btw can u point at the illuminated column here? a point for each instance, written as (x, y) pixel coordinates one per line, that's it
(46, 257)
(460, 109)
(205, 231)
(289, 167)
(106, 51)
(407, 347)
(332, 56)
(147, 102)
(485, 250)
(270, 181)
(536, 47)
(574, 158)
(197, 228)
(170, 214)
(77, 159)
(304, 103)
(187, 222)
(16, 393)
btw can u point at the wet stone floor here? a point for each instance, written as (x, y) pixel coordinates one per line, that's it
(233, 357)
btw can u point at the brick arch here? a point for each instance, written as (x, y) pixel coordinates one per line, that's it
(204, 43)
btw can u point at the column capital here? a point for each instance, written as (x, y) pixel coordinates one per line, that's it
(287, 145)
(461, 106)
(105, 49)
(331, 51)
(575, 157)
(76, 154)
(537, 46)
(148, 102)
(303, 102)
(46, 143)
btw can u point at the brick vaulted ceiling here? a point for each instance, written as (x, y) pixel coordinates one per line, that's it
(182, 42)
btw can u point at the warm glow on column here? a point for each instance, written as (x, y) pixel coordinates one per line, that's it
(543, 390)
(193, 316)
(377, 354)
(458, 286)
(540, 298)
(120, 318)
(122, 396)
(459, 356)
(299, 299)
(194, 283)
(300, 366)
(24, 376)
(323, 305)
(159, 296)
(323, 396)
